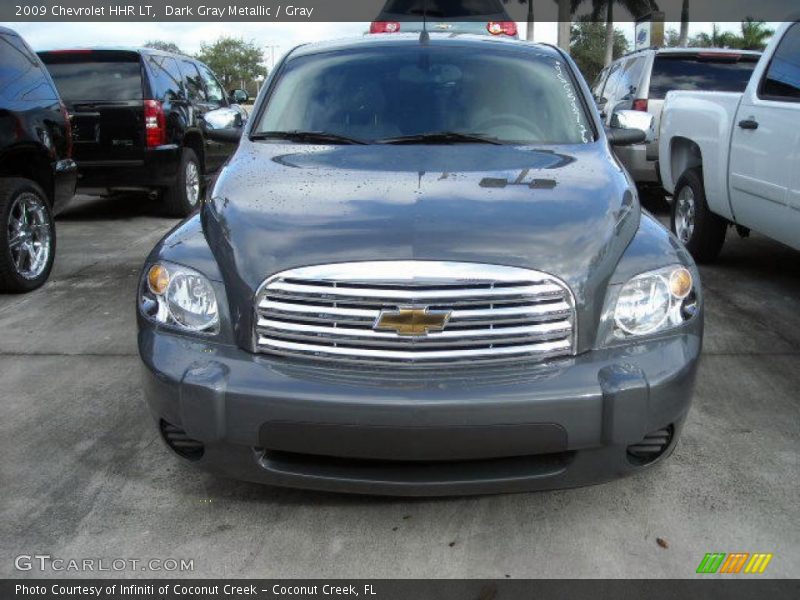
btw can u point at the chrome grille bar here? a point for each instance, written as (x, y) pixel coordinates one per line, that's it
(350, 294)
(495, 313)
(544, 350)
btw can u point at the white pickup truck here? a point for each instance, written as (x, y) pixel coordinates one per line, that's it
(734, 159)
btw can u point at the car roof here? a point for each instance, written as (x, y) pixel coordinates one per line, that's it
(690, 51)
(479, 42)
(132, 49)
(708, 51)
(7, 31)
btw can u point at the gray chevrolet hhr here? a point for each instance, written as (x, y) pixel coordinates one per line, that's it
(423, 272)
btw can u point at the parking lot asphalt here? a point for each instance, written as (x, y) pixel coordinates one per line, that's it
(85, 475)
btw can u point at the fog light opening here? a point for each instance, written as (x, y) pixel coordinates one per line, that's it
(651, 447)
(180, 443)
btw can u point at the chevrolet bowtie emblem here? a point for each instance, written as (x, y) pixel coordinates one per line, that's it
(412, 320)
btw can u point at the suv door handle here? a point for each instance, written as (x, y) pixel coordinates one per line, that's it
(748, 124)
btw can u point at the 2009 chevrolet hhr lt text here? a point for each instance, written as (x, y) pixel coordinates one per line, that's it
(422, 272)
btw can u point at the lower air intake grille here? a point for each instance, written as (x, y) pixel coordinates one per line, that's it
(181, 443)
(415, 312)
(651, 447)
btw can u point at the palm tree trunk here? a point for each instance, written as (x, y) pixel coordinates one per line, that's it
(564, 24)
(609, 32)
(529, 25)
(683, 40)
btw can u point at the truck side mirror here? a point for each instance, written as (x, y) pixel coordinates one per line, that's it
(238, 96)
(630, 127)
(224, 125)
(625, 137)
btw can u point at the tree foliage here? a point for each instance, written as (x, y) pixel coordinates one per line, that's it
(588, 43)
(605, 8)
(233, 60)
(672, 39)
(753, 35)
(164, 46)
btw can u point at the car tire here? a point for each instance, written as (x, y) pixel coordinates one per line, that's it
(27, 235)
(699, 229)
(184, 196)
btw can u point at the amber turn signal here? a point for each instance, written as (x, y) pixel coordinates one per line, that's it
(680, 283)
(158, 279)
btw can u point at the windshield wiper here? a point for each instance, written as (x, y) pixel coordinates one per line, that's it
(312, 137)
(442, 137)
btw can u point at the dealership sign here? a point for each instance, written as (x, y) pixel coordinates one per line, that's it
(649, 31)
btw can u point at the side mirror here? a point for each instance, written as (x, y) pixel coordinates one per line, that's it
(224, 125)
(238, 96)
(625, 137)
(630, 127)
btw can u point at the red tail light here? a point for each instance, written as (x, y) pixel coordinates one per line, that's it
(640, 104)
(719, 55)
(155, 126)
(384, 27)
(502, 27)
(67, 130)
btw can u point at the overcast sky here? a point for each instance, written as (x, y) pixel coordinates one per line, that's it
(188, 36)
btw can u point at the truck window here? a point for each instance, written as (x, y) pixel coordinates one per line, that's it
(216, 94)
(90, 76)
(599, 82)
(631, 77)
(627, 78)
(166, 78)
(193, 81)
(782, 81)
(612, 82)
(21, 74)
(699, 72)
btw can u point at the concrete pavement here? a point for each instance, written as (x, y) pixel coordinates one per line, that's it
(84, 473)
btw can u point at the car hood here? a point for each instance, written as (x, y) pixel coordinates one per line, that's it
(565, 210)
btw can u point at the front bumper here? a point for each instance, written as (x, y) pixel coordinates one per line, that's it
(508, 428)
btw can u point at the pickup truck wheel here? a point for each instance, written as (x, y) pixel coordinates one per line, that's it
(27, 235)
(700, 230)
(183, 197)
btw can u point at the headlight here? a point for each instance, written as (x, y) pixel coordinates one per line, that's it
(178, 297)
(655, 301)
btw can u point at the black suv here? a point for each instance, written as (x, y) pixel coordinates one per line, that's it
(37, 175)
(138, 124)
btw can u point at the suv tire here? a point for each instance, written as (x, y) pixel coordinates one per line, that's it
(699, 229)
(183, 197)
(27, 235)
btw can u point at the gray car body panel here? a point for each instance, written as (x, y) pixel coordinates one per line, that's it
(567, 210)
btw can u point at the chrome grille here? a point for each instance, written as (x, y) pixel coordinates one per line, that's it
(496, 312)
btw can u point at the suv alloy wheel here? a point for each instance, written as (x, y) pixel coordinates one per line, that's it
(700, 230)
(27, 235)
(183, 197)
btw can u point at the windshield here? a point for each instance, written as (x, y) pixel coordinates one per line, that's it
(376, 94)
